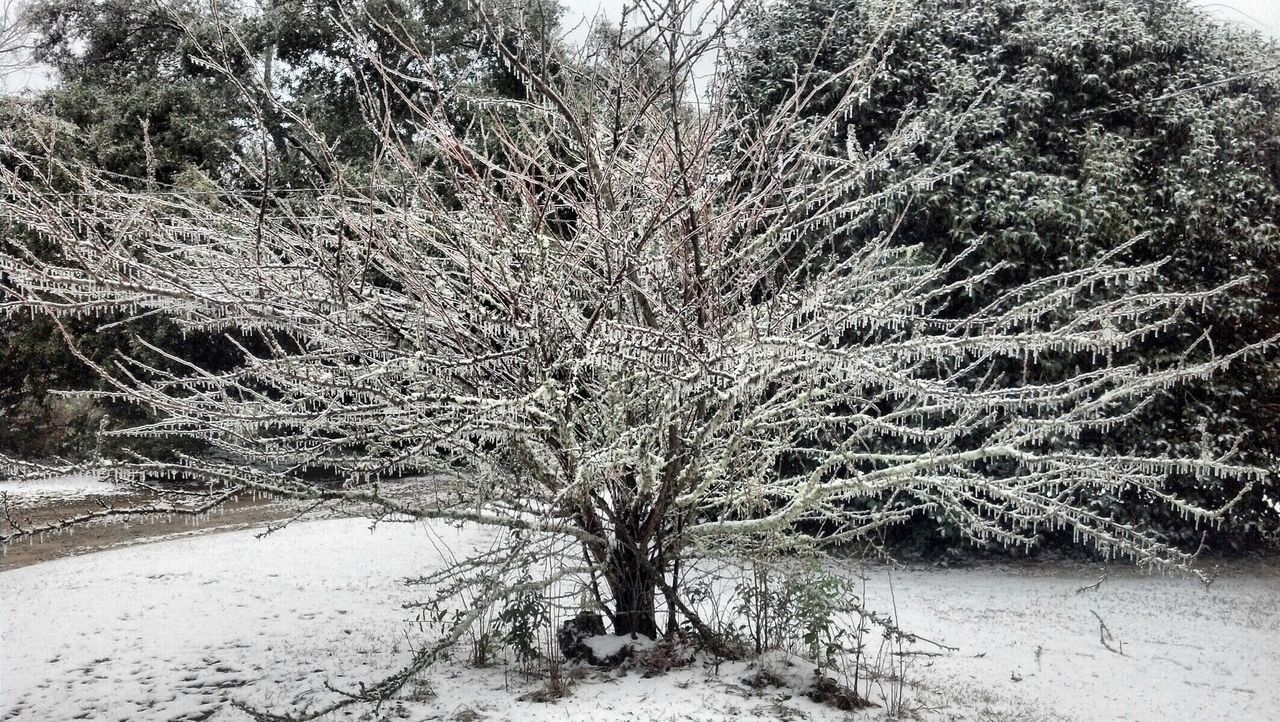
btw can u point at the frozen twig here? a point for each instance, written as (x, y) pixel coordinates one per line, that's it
(1105, 637)
(1095, 586)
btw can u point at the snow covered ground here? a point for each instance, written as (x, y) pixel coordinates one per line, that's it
(180, 629)
(56, 489)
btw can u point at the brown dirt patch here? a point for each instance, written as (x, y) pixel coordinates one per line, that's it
(242, 512)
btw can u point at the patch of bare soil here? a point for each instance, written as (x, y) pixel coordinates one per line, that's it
(239, 513)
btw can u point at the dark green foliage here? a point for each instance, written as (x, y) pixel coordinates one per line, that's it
(1075, 126)
(125, 66)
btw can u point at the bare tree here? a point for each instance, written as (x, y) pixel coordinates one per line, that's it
(15, 47)
(606, 318)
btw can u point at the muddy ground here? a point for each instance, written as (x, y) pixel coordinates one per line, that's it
(240, 513)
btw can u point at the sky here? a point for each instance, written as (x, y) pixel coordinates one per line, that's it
(1263, 15)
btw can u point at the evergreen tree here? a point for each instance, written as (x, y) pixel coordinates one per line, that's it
(1076, 126)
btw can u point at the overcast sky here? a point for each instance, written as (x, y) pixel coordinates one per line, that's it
(1261, 14)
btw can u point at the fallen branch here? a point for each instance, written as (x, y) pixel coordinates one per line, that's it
(1095, 585)
(1105, 636)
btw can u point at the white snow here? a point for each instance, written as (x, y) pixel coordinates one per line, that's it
(607, 645)
(1029, 642)
(179, 629)
(58, 488)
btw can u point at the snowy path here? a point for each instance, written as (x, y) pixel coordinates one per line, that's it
(177, 630)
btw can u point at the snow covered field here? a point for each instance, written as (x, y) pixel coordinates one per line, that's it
(180, 629)
(57, 489)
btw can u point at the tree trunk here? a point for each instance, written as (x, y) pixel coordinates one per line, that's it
(634, 585)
